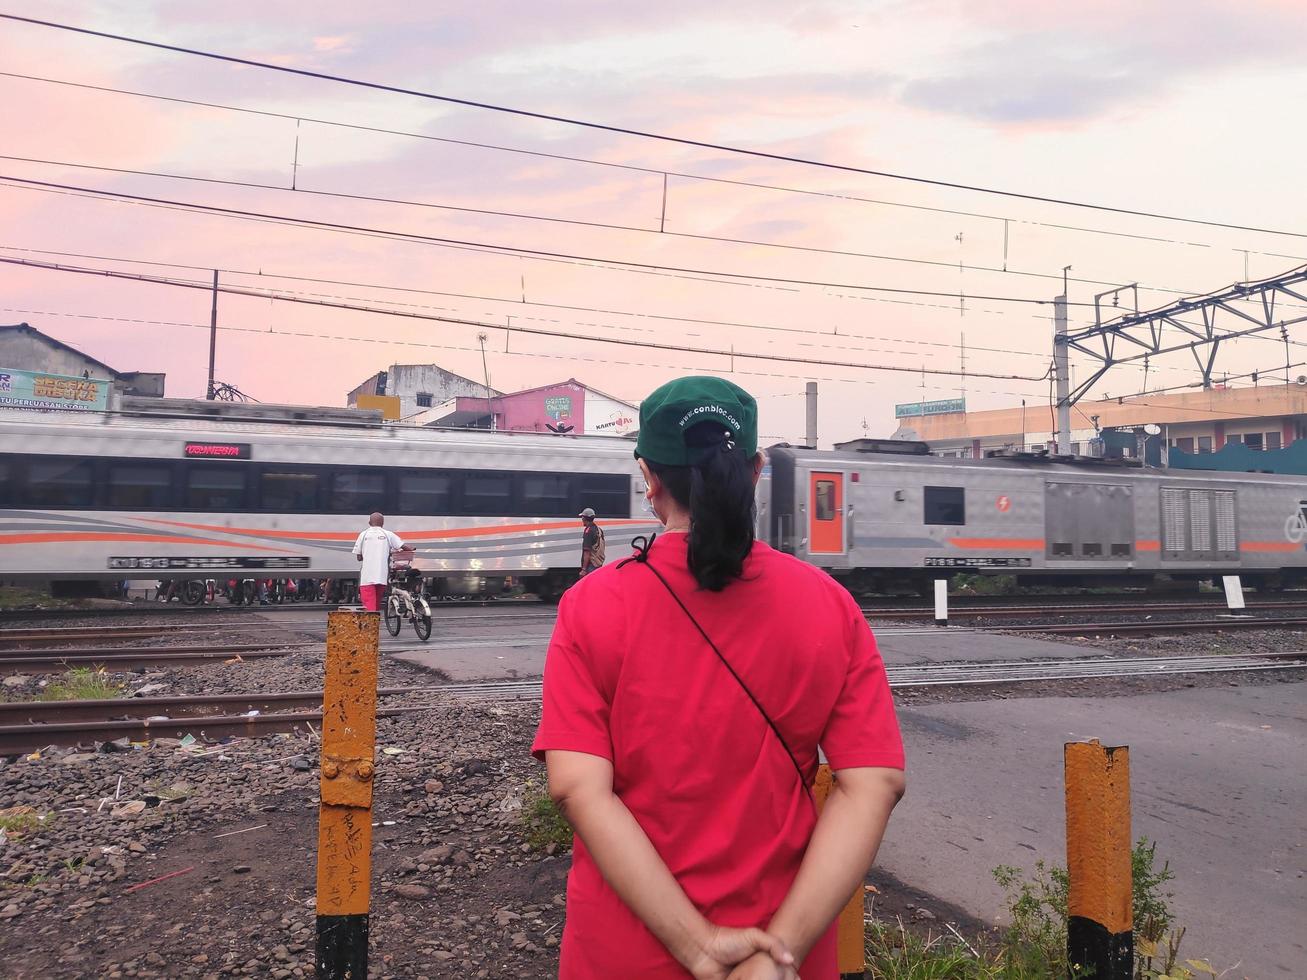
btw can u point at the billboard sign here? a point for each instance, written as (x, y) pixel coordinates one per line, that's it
(559, 407)
(945, 407)
(42, 391)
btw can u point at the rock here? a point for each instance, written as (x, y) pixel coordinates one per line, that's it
(437, 855)
(241, 869)
(117, 745)
(136, 848)
(410, 891)
(145, 689)
(77, 758)
(129, 808)
(462, 858)
(504, 917)
(300, 764)
(431, 785)
(154, 959)
(926, 915)
(16, 680)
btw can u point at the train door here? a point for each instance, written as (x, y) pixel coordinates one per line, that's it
(826, 513)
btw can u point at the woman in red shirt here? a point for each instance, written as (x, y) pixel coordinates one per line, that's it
(686, 692)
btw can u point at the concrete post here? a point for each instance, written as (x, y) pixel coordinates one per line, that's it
(811, 439)
(349, 727)
(1100, 925)
(1062, 375)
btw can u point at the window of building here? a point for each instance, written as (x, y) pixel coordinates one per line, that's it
(287, 490)
(1185, 444)
(1253, 440)
(824, 502)
(357, 491)
(220, 488)
(426, 493)
(1204, 444)
(1234, 439)
(945, 505)
(424, 399)
(56, 483)
(1272, 440)
(1075, 449)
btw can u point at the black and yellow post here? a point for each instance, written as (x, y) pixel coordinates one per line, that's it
(850, 944)
(1100, 937)
(349, 727)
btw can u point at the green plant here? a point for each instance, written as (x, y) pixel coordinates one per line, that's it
(20, 820)
(1037, 907)
(542, 821)
(82, 684)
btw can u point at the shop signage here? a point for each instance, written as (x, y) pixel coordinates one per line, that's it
(52, 392)
(945, 407)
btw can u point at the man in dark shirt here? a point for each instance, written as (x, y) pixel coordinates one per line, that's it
(592, 542)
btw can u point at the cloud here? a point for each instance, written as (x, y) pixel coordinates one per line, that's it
(1044, 63)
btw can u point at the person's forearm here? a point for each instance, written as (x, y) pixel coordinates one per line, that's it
(636, 872)
(843, 846)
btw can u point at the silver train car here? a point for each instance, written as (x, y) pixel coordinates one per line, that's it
(894, 514)
(171, 497)
(105, 497)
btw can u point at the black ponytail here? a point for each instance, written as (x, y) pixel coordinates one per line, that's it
(717, 489)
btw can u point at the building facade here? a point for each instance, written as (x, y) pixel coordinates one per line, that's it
(406, 391)
(24, 348)
(568, 407)
(1261, 418)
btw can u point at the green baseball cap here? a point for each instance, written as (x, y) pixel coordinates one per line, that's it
(675, 408)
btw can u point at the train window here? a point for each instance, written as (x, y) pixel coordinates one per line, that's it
(547, 495)
(59, 482)
(357, 491)
(6, 481)
(824, 504)
(608, 494)
(945, 505)
(488, 493)
(287, 490)
(426, 493)
(217, 488)
(139, 486)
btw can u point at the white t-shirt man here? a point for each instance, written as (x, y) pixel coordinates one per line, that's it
(375, 545)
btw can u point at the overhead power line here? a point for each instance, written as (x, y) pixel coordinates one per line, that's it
(533, 331)
(634, 168)
(429, 345)
(626, 131)
(610, 226)
(488, 247)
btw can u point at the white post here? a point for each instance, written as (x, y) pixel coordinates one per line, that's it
(1233, 592)
(941, 602)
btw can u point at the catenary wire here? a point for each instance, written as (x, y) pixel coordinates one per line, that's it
(633, 168)
(407, 314)
(627, 131)
(610, 226)
(484, 247)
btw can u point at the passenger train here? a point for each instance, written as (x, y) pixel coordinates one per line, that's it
(149, 495)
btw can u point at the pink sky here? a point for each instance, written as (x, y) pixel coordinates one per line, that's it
(1178, 108)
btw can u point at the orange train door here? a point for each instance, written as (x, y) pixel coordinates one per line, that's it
(826, 513)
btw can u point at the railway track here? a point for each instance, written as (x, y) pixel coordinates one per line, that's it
(129, 658)
(1074, 609)
(26, 726)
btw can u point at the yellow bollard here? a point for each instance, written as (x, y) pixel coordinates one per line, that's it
(1100, 935)
(851, 947)
(349, 726)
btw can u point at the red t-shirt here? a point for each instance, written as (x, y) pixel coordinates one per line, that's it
(630, 679)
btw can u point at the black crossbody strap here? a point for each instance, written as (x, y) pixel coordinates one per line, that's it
(641, 557)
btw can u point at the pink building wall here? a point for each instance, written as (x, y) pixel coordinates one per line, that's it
(531, 411)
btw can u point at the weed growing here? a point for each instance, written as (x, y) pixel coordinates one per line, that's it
(82, 684)
(542, 821)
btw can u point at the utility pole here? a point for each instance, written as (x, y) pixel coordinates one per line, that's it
(213, 336)
(1061, 374)
(811, 439)
(485, 369)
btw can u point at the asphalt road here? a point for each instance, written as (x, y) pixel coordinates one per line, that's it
(1218, 777)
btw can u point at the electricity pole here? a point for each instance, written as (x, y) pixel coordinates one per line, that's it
(213, 335)
(1061, 372)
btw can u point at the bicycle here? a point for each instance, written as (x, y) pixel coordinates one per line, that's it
(404, 603)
